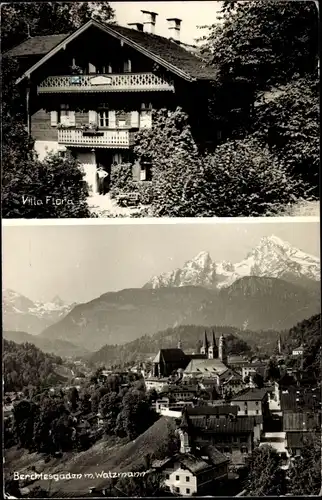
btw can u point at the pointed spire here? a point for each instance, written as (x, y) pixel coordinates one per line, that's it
(184, 424)
(213, 339)
(205, 341)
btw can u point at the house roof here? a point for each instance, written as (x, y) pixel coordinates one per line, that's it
(300, 421)
(295, 399)
(170, 356)
(194, 462)
(295, 439)
(36, 45)
(206, 367)
(224, 426)
(180, 388)
(212, 410)
(163, 51)
(251, 395)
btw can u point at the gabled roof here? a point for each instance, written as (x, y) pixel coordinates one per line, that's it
(251, 395)
(36, 45)
(300, 422)
(194, 462)
(163, 51)
(212, 410)
(174, 355)
(215, 425)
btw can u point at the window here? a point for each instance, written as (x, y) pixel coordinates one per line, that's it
(146, 175)
(256, 403)
(244, 449)
(167, 476)
(177, 478)
(188, 490)
(176, 489)
(257, 412)
(245, 403)
(187, 479)
(246, 411)
(127, 67)
(103, 118)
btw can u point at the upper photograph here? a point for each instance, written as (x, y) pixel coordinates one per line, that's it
(160, 109)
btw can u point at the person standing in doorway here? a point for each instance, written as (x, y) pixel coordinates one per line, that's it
(102, 178)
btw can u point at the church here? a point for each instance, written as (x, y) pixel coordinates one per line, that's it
(212, 361)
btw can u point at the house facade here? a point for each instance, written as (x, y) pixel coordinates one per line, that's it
(90, 91)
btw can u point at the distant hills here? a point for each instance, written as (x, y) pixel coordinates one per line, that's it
(56, 346)
(22, 314)
(250, 303)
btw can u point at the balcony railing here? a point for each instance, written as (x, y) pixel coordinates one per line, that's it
(101, 139)
(125, 82)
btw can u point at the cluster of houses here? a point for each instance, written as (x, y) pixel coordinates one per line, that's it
(222, 416)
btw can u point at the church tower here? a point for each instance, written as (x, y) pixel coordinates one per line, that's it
(205, 346)
(279, 345)
(222, 349)
(184, 433)
(213, 349)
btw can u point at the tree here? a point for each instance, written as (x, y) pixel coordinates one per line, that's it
(24, 415)
(136, 415)
(73, 398)
(305, 472)
(265, 476)
(272, 371)
(46, 18)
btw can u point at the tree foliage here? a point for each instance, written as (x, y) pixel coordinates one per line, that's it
(21, 20)
(25, 365)
(265, 476)
(305, 472)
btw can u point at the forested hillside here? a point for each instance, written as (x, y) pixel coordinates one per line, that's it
(25, 365)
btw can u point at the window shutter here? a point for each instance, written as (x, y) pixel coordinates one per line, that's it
(111, 119)
(135, 119)
(71, 118)
(91, 68)
(53, 118)
(92, 116)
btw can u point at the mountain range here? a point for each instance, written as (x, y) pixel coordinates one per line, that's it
(23, 314)
(249, 303)
(274, 287)
(271, 258)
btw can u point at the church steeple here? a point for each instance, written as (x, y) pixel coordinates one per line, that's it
(205, 346)
(213, 349)
(222, 349)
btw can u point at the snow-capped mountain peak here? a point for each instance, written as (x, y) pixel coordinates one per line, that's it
(271, 258)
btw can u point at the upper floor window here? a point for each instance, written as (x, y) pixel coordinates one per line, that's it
(103, 118)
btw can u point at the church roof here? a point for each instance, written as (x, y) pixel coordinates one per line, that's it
(206, 367)
(174, 355)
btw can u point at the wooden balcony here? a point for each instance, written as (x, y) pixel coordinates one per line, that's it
(125, 82)
(101, 139)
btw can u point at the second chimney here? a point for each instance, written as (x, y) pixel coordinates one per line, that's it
(149, 21)
(174, 25)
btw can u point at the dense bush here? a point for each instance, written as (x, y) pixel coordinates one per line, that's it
(50, 188)
(122, 182)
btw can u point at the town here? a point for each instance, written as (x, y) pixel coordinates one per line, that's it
(198, 423)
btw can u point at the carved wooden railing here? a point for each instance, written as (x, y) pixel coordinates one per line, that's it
(100, 139)
(124, 82)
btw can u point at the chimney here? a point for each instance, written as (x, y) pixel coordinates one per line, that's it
(138, 26)
(149, 21)
(174, 25)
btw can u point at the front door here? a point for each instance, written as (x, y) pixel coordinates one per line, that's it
(104, 161)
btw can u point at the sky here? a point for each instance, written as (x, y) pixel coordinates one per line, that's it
(193, 14)
(81, 262)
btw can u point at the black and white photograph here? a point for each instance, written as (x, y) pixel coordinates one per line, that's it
(160, 109)
(162, 359)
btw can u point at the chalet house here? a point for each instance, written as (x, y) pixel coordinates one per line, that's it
(89, 91)
(194, 469)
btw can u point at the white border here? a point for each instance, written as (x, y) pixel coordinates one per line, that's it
(152, 220)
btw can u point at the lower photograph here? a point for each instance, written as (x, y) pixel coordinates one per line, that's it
(162, 359)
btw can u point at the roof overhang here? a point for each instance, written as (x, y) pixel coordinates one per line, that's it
(107, 29)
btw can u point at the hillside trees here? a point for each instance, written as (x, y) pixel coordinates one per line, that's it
(305, 473)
